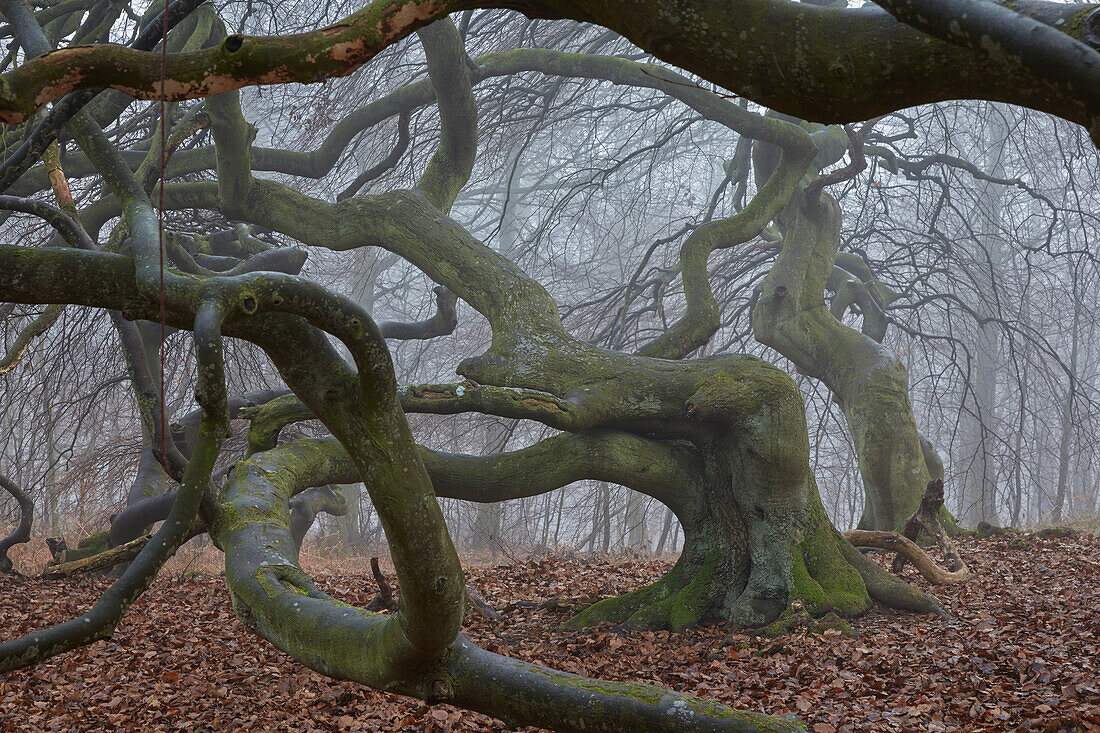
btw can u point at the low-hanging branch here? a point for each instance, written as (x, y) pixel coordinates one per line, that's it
(900, 66)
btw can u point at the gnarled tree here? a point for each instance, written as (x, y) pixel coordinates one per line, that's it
(721, 440)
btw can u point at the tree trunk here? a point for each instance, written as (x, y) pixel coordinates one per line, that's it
(348, 525)
(665, 527)
(866, 378)
(979, 422)
(485, 532)
(1064, 444)
(603, 516)
(637, 536)
(756, 536)
(739, 568)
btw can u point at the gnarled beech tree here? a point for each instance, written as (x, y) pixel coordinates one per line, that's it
(866, 378)
(721, 440)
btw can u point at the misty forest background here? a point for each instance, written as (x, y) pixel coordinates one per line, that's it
(980, 218)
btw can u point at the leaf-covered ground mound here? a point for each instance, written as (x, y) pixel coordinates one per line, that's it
(1023, 653)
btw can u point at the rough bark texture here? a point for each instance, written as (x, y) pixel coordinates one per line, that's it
(884, 65)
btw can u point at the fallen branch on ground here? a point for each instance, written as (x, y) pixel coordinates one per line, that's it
(925, 518)
(902, 545)
(102, 561)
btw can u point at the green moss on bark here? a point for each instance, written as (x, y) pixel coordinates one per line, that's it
(823, 579)
(90, 545)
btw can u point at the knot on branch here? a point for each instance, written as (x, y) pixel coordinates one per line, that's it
(233, 43)
(440, 690)
(249, 304)
(355, 327)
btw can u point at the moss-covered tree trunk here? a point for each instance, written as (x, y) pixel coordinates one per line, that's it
(756, 536)
(742, 419)
(867, 378)
(726, 449)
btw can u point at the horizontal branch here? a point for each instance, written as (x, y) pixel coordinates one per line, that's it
(523, 404)
(884, 65)
(102, 561)
(443, 323)
(521, 694)
(911, 550)
(657, 468)
(1063, 64)
(238, 61)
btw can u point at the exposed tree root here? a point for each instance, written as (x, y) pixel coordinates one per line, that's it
(912, 552)
(477, 603)
(924, 519)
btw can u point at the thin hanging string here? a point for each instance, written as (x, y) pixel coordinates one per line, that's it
(160, 225)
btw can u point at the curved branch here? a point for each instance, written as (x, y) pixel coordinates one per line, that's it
(132, 521)
(278, 600)
(38, 327)
(521, 693)
(269, 419)
(886, 65)
(319, 162)
(701, 319)
(46, 131)
(333, 51)
(443, 323)
(305, 507)
(69, 229)
(22, 531)
(1066, 66)
(385, 164)
(654, 467)
(451, 164)
(911, 551)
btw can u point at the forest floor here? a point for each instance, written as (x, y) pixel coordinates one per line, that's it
(1022, 653)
